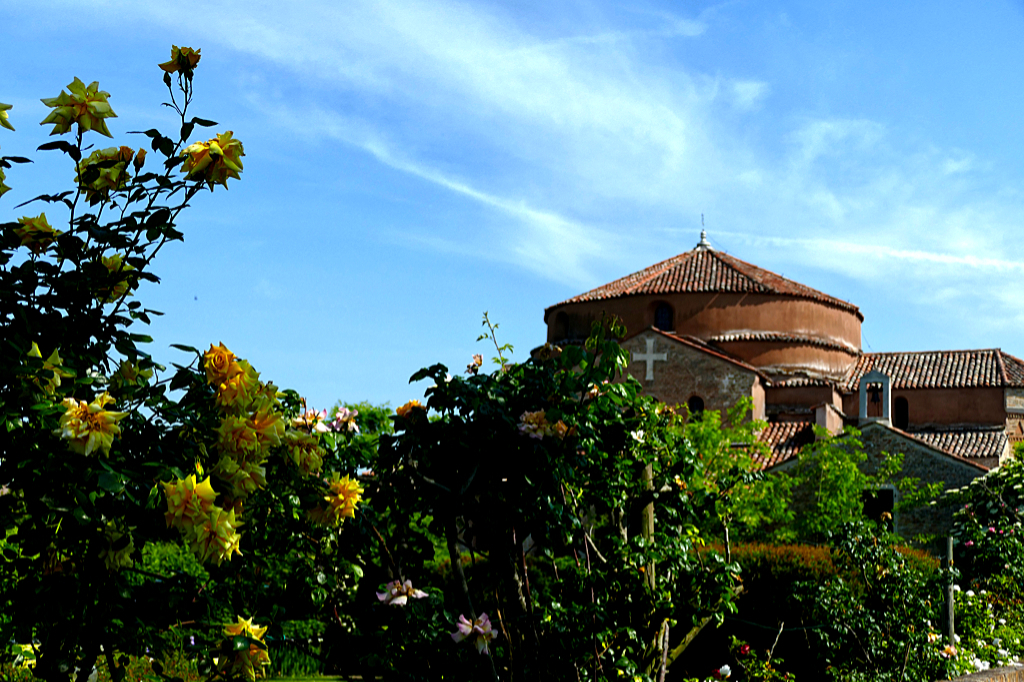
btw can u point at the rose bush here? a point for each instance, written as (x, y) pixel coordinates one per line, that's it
(106, 456)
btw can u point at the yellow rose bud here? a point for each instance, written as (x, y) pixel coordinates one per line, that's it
(4, 108)
(129, 374)
(36, 233)
(182, 59)
(118, 269)
(140, 159)
(52, 364)
(85, 105)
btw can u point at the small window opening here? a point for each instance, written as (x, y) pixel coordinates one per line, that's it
(663, 317)
(874, 399)
(696, 406)
(879, 505)
(901, 413)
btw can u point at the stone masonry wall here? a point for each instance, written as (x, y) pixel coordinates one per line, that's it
(921, 462)
(687, 371)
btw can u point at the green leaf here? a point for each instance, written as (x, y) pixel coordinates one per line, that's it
(110, 482)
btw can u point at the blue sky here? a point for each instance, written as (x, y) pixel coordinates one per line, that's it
(410, 165)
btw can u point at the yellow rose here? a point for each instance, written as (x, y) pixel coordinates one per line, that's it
(51, 364)
(118, 269)
(187, 501)
(140, 159)
(214, 161)
(243, 477)
(85, 105)
(111, 168)
(406, 409)
(219, 364)
(305, 451)
(342, 497)
(247, 663)
(269, 427)
(4, 108)
(129, 374)
(36, 233)
(214, 538)
(236, 393)
(237, 437)
(88, 427)
(182, 59)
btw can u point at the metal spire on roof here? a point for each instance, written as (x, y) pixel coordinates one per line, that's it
(704, 244)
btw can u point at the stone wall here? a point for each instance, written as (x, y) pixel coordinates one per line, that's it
(925, 463)
(682, 370)
(1009, 674)
(919, 461)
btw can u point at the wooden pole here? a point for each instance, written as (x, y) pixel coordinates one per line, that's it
(647, 525)
(950, 610)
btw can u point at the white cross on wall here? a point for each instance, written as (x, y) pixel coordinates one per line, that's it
(650, 357)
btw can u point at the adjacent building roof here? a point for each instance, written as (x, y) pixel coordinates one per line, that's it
(985, 444)
(784, 440)
(990, 368)
(706, 270)
(981, 446)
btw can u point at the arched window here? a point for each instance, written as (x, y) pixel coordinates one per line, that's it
(696, 405)
(663, 318)
(901, 413)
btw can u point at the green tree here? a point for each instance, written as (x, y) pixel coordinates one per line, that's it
(557, 489)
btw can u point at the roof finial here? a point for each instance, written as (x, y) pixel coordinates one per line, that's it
(704, 244)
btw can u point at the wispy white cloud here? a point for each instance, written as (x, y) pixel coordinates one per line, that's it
(878, 251)
(748, 94)
(592, 146)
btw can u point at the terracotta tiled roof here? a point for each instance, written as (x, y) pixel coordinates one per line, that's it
(795, 381)
(940, 369)
(970, 444)
(781, 337)
(784, 440)
(705, 270)
(1014, 368)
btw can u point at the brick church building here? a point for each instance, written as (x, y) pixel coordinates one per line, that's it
(706, 328)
